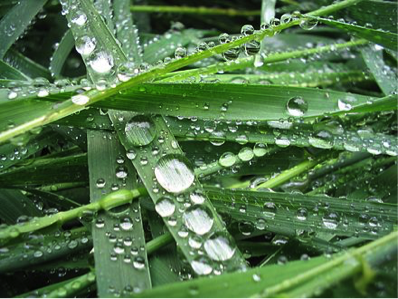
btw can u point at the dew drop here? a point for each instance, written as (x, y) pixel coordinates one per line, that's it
(198, 219)
(140, 130)
(85, 45)
(80, 99)
(174, 173)
(102, 62)
(201, 266)
(246, 154)
(227, 159)
(220, 247)
(297, 106)
(165, 207)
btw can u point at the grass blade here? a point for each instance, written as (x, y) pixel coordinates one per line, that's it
(114, 270)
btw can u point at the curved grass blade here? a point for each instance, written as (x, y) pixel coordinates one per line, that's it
(60, 55)
(385, 76)
(26, 65)
(121, 266)
(8, 72)
(15, 204)
(380, 37)
(15, 22)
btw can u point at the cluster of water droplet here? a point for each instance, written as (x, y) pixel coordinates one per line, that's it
(179, 199)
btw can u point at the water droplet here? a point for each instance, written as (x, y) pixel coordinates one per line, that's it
(247, 30)
(38, 254)
(331, 220)
(297, 106)
(165, 207)
(201, 266)
(227, 159)
(260, 149)
(80, 19)
(121, 172)
(322, 139)
(197, 197)
(80, 99)
(252, 48)
(220, 247)
(286, 18)
(139, 263)
(131, 154)
(224, 38)
(174, 173)
(302, 214)
(180, 52)
(198, 219)
(344, 105)
(102, 62)
(140, 130)
(126, 224)
(85, 45)
(308, 24)
(246, 154)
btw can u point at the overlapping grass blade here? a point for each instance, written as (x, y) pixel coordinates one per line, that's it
(303, 216)
(292, 278)
(380, 37)
(61, 53)
(110, 169)
(385, 76)
(26, 65)
(15, 22)
(69, 107)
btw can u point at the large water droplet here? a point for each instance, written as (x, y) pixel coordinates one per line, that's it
(198, 219)
(201, 266)
(165, 207)
(174, 173)
(102, 62)
(297, 106)
(321, 139)
(80, 99)
(220, 247)
(140, 130)
(227, 159)
(85, 45)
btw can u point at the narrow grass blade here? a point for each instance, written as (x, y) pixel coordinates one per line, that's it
(380, 37)
(49, 248)
(8, 72)
(121, 262)
(14, 204)
(27, 66)
(61, 53)
(302, 216)
(385, 76)
(108, 202)
(15, 22)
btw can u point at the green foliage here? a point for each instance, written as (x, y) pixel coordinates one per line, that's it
(146, 153)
